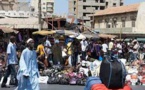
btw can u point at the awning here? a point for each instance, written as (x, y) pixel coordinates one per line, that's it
(90, 34)
(106, 36)
(66, 32)
(8, 30)
(22, 23)
(43, 32)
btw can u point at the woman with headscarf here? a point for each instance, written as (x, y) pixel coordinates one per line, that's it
(57, 53)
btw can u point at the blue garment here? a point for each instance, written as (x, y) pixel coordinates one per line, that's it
(92, 81)
(28, 67)
(12, 54)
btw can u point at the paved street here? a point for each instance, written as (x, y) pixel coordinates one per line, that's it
(67, 87)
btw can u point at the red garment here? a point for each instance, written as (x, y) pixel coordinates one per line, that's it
(103, 87)
(99, 87)
(126, 87)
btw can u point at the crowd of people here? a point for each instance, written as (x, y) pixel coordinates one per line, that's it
(70, 53)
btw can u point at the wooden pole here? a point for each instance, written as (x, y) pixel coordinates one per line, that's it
(39, 18)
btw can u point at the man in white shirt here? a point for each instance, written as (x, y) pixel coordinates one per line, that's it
(104, 47)
(135, 49)
(47, 43)
(84, 45)
(111, 44)
(119, 47)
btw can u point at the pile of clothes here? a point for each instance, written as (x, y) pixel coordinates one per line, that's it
(136, 73)
(71, 75)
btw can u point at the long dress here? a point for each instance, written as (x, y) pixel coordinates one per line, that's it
(57, 54)
(28, 67)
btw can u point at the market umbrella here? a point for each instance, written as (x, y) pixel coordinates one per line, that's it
(8, 30)
(81, 36)
(90, 34)
(43, 32)
(65, 32)
(106, 36)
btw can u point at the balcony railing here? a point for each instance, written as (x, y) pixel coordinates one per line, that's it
(115, 30)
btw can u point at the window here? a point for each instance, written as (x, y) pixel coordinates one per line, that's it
(99, 23)
(84, 7)
(84, 0)
(114, 4)
(84, 14)
(74, 9)
(44, 8)
(121, 4)
(133, 23)
(106, 3)
(123, 23)
(96, 8)
(102, 1)
(102, 7)
(107, 23)
(74, 2)
(114, 22)
(43, 3)
(97, 0)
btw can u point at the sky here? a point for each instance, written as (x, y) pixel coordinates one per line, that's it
(61, 6)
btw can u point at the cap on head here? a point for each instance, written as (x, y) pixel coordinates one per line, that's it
(112, 39)
(56, 41)
(29, 40)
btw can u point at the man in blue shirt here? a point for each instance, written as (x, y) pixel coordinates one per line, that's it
(28, 73)
(11, 59)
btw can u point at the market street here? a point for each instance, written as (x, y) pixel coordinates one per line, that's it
(68, 87)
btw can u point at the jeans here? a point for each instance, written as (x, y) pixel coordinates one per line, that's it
(74, 59)
(132, 56)
(11, 70)
(83, 55)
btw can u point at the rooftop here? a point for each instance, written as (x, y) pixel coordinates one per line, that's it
(118, 10)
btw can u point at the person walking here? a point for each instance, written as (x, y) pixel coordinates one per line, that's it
(28, 73)
(11, 59)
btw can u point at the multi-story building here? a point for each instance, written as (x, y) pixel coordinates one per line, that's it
(22, 5)
(83, 8)
(125, 20)
(47, 6)
(7, 5)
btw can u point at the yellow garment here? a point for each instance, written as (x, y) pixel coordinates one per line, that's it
(69, 50)
(40, 49)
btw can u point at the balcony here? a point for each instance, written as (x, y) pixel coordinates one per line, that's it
(92, 3)
(115, 30)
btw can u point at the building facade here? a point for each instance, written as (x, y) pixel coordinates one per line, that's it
(22, 5)
(124, 19)
(7, 5)
(83, 8)
(47, 6)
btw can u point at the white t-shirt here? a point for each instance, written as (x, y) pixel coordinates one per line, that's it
(119, 46)
(104, 47)
(47, 43)
(84, 44)
(63, 54)
(48, 51)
